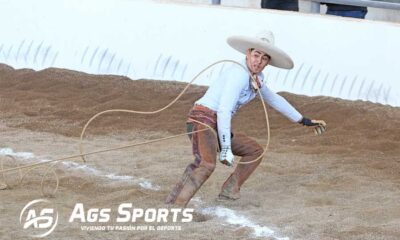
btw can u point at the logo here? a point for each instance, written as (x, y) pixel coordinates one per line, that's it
(130, 218)
(39, 218)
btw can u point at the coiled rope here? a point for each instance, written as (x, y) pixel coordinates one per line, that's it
(50, 168)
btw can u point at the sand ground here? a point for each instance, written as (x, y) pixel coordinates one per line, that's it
(344, 184)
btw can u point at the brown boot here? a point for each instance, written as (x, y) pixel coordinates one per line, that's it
(230, 189)
(188, 186)
(171, 198)
(249, 150)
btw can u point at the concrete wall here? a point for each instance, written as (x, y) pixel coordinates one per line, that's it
(346, 58)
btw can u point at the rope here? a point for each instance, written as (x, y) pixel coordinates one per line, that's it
(95, 152)
(82, 155)
(174, 101)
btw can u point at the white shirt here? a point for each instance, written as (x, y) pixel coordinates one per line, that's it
(226, 95)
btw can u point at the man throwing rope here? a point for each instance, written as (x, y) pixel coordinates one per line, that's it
(216, 109)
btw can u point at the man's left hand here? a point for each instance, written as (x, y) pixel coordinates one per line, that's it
(319, 125)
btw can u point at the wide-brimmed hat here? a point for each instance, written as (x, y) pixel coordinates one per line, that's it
(265, 42)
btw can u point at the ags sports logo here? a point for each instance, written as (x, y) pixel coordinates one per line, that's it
(38, 218)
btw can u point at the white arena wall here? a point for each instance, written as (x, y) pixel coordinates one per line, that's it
(345, 58)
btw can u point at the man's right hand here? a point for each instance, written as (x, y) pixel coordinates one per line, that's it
(226, 156)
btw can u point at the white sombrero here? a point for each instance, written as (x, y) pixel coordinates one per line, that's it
(264, 41)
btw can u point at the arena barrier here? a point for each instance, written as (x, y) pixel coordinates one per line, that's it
(339, 57)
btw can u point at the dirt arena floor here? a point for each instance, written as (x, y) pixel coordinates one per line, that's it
(344, 184)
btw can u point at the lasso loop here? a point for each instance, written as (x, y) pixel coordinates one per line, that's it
(49, 169)
(82, 155)
(174, 101)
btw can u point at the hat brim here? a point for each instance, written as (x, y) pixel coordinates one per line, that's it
(278, 57)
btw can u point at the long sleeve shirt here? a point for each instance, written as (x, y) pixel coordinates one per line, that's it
(233, 90)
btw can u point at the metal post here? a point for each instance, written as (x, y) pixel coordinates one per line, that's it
(315, 7)
(216, 2)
